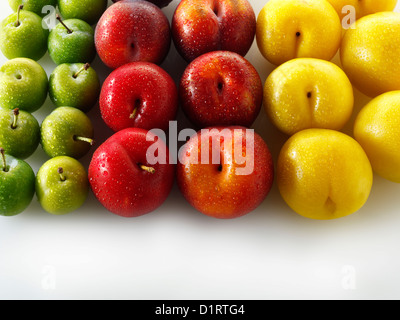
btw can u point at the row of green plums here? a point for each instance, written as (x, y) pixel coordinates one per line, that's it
(24, 34)
(66, 131)
(24, 84)
(61, 185)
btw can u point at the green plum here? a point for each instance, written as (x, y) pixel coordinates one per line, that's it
(87, 10)
(75, 85)
(23, 84)
(71, 41)
(17, 185)
(19, 132)
(66, 131)
(22, 35)
(62, 185)
(35, 6)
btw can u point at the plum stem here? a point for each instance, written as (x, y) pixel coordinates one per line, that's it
(135, 110)
(17, 23)
(133, 114)
(3, 156)
(84, 68)
(14, 123)
(65, 26)
(84, 139)
(61, 173)
(147, 169)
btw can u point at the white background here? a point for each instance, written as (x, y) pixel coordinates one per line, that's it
(177, 253)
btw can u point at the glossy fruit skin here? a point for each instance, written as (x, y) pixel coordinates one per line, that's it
(298, 29)
(23, 84)
(221, 192)
(143, 85)
(377, 129)
(307, 93)
(201, 26)
(81, 92)
(372, 70)
(159, 3)
(131, 31)
(27, 40)
(23, 140)
(221, 88)
(17, 186)
(324, 174)
(75, 47)
(60, 127)
(89, 11)
(363, 8)
(118, 182)
(61, 197)
(35, 6)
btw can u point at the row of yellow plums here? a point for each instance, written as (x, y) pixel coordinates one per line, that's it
(321, 172)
